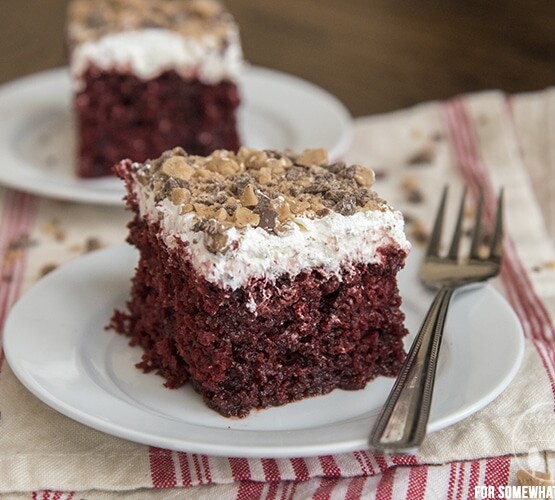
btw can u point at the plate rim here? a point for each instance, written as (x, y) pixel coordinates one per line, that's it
(213, 448)
(89, 194)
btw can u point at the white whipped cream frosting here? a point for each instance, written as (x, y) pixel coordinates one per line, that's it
(147, 53)
(329, 243)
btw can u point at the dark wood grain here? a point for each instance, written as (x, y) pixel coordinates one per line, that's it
(375, 55)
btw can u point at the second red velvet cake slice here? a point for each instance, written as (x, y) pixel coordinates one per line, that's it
(263, 278)
(152, 74)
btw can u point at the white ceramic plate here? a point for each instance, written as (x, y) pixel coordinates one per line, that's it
(56, 344)
(38, 139)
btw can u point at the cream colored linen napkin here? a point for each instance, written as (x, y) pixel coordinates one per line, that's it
(484, 139)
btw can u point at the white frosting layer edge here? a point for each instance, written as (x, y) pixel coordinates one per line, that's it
(149, 52)
(329, 243)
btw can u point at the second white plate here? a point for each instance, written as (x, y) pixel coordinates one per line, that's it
(56, 344)
(38, 140)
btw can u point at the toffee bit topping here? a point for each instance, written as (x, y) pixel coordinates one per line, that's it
(249, 199)
(180, 196)
(215, 237)
(178, 168)
(192, 18)
(312, 157)
(244, 217)
(265, 189)
(365, 177)
(268, 218)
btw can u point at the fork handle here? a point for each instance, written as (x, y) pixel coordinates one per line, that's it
(401, 425)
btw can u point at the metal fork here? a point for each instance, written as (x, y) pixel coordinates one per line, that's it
(401, 426)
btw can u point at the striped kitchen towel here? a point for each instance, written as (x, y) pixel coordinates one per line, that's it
(484, 140)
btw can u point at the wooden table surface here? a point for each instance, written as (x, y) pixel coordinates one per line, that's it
(375, 55)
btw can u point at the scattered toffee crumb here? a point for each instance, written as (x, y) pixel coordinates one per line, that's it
(21, 242)
(469, 212)
(487, 239)
(92, 243)
(437, 137)
(75, 248)
(422, 157)
(408, 218)
(419, 233)
(412, 190)
(415, 196)
(54, 229)
(409, 183)
(47, 268)
(534, 478)
(380, 173)
(545, 265)
(416, 133)
(13, 252)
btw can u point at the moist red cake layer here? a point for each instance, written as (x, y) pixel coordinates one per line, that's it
(120, 115)
(308, 335)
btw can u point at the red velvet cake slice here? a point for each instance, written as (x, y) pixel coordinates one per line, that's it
(152, 74)
(264, 277)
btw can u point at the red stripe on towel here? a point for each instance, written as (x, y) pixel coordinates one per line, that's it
(17, 221)
(271, 470)
(382, 462)
(355, 488)
(198, 471)
(325, 490)
(461, 481)
(329, 466)
(404, 460)
(384, 490)
(206, 468)
(532, 313)
(285, 490)
(358, 457)
(240, 469)
(453, 470)
(162, 468)
(497, 471)
(418, 480)
(250, 490)
(186, 478)
(474, 476)
(300, 468)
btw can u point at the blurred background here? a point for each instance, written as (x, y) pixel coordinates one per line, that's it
(375, 55)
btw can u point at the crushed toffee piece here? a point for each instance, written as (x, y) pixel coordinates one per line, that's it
(265, 189)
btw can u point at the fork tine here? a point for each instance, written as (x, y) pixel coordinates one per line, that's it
(477, 234)
(496, 249)
(435, 238)
(456, 239)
